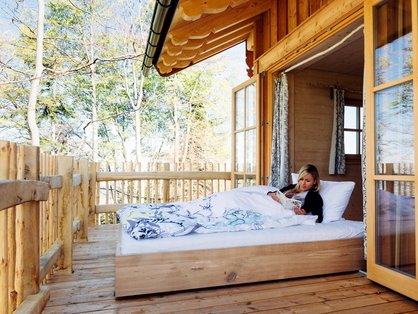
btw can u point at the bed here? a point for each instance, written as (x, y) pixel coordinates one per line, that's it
(228, 258)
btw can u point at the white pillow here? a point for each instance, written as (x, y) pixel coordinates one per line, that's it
(336, 195)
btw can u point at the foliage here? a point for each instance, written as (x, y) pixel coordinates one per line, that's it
(93, 54)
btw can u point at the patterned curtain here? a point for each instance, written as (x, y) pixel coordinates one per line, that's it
(279, 171)
(337, 154)
(363, 171)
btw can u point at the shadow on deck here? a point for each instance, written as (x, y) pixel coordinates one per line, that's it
(91, 289)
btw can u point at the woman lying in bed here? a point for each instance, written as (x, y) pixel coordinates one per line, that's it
(248, 208)
(306, 191)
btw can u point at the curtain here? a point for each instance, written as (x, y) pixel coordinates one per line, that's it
(363, 169)
(279, 171)
(337, 154)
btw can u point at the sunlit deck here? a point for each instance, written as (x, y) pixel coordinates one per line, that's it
(90, 289)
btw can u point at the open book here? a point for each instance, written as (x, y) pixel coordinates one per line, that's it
(288, 203)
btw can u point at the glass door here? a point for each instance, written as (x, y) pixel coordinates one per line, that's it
(245, 134)
(391, 140)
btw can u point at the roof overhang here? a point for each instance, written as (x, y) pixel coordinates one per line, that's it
(187, 32)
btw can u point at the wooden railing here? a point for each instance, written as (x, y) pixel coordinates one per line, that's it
(47, 203)
(41, 211)
(118, 185)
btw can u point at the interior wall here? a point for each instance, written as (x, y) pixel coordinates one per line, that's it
(310, 126)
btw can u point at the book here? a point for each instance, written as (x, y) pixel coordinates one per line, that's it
(288, 203)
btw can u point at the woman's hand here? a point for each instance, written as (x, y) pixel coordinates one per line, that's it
(299, 211)
(274, 196)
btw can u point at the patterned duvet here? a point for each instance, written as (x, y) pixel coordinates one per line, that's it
(236, 210)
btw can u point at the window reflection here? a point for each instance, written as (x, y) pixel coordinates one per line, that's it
(393, 51)
(239, 151)
(251, 115)
(239, 109)
(250, 151)
(395, 130)
(395, 221)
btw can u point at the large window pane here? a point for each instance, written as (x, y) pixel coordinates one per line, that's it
(250, 150)
(239, 151)
(350, 142)
(239, 109)
(395, 222)
(394, 130)
(393, 50)
(351, 117)
(251, 116)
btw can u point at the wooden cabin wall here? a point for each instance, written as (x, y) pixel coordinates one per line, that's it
(291, 13)
(310, 127)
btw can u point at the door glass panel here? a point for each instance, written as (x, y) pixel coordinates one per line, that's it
(394, 127)
(393, 50)
(239, 109)
(239, 151)
(239, 181)
(251, 116)
(395, 226)
(250, 151)
(250, 180)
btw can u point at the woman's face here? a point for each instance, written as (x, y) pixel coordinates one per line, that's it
(306, 182)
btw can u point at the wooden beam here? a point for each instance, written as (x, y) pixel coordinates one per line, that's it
(84, 199)
(17, 192)
(65, 211)
(27, 228)
(108, 208)
(55, 182)
(48, 260)
(320, 26)
(192, 9)
(34, 303)
(186, 175)
(214, 23)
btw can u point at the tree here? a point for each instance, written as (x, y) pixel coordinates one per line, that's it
(33, 96)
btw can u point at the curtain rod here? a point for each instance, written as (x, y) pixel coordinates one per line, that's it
(325, 51)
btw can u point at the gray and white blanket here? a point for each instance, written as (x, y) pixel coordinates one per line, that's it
(236, 210)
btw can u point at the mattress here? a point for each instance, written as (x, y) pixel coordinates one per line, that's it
(342, 229)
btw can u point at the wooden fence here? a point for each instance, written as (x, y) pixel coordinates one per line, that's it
(42, 208)
(48, 202)
(121, 184)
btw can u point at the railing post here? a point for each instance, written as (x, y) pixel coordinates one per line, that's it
(92, 193)
(4, 256)
(27, 228)
(65, 211)
(84, 198)
(166, 185)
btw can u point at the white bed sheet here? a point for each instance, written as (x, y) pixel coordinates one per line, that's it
(343, 229)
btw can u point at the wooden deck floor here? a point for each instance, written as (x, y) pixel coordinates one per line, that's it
(90, 289)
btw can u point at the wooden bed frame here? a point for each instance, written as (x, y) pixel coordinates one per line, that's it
(183, 270)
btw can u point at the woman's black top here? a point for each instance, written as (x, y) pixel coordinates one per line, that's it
(313, 202)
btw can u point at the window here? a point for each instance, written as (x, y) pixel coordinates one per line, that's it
(245, 134)
(353, 125)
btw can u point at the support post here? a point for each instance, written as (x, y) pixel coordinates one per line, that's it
(65, 211)
(27, 228)
(92, 193)
(84, 198)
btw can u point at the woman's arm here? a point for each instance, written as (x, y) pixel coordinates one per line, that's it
(313, 204)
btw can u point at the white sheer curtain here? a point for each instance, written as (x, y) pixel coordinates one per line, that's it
(337, 154)
(279, 171)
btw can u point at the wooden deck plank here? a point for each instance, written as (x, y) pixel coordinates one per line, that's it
(91, 289)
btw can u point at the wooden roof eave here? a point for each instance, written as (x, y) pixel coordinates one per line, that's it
(213, 32)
